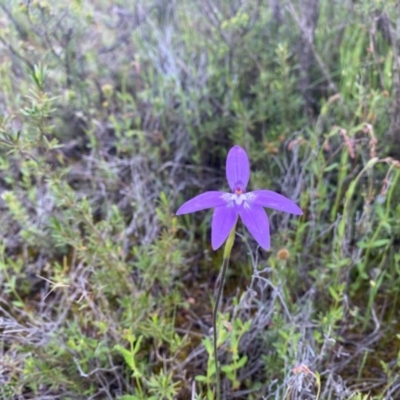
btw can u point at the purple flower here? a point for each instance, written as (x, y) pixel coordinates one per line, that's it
(228, 206)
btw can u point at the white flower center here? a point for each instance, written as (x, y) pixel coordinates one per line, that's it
(239, 199)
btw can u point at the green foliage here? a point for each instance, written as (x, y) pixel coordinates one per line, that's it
(229, 336)
(112, 114)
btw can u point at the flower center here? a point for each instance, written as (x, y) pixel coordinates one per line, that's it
(238, 199)
(239, 188)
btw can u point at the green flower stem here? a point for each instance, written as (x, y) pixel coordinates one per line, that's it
(219, 288)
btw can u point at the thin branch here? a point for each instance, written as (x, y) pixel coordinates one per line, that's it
(322, 66)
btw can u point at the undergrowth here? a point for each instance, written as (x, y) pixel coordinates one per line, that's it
(112, 114)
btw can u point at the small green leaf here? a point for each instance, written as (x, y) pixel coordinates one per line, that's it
(137, 345)
(228, 368)
(201, 378)
(377, 243)
(331, 167)
(128, 356)
(241, 363)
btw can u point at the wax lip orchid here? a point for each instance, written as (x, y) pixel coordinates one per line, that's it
(247, 205)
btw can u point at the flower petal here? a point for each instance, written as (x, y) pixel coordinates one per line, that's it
(201, 202)
(267, 198)
(256, 221)
(237, 167)
(224, 218)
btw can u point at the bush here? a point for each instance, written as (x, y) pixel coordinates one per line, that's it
(111, 115)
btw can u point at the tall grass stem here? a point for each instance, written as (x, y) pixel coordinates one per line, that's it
(218, 295)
